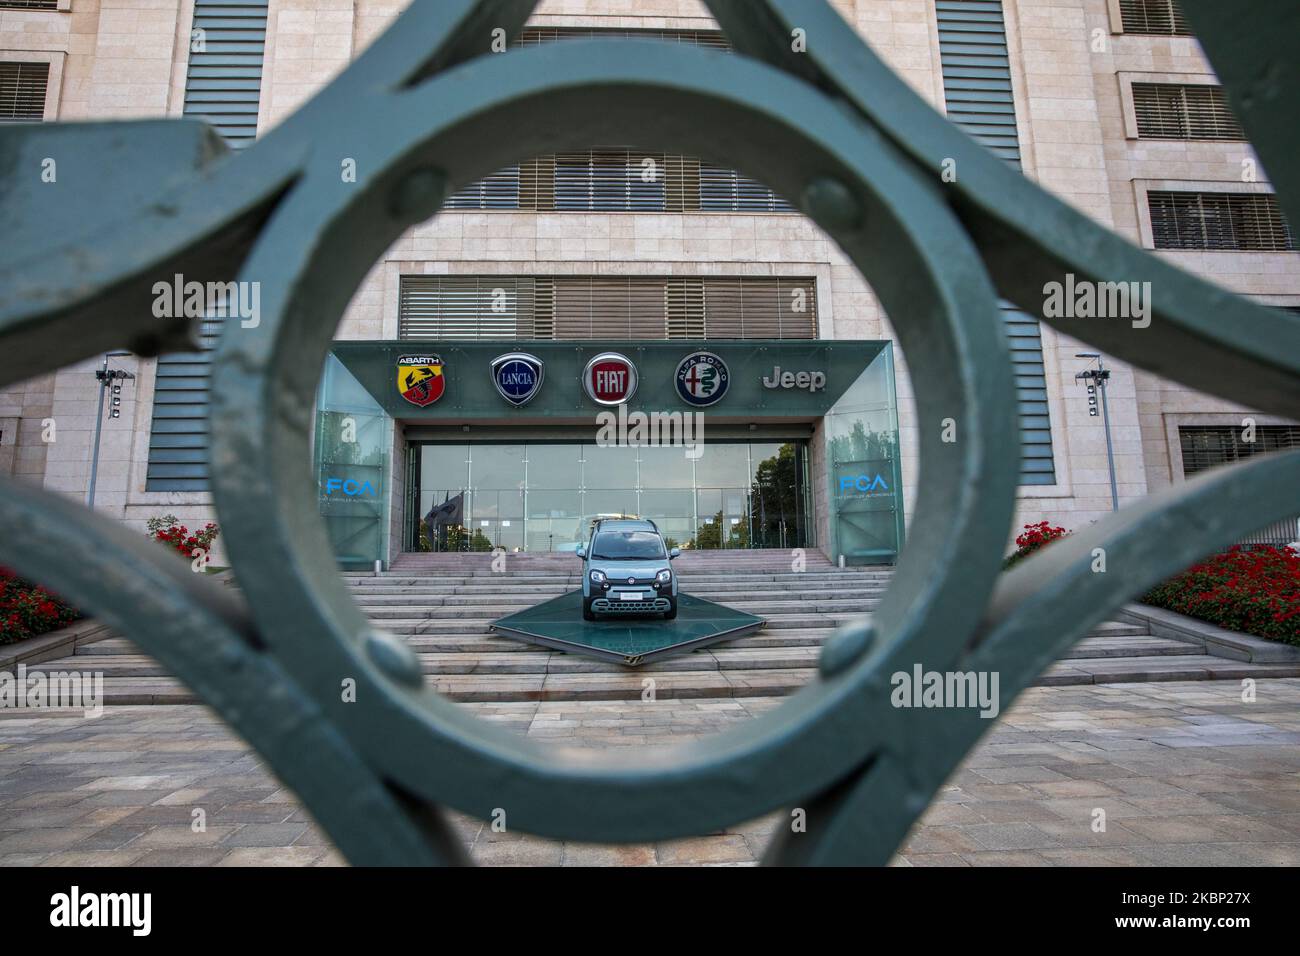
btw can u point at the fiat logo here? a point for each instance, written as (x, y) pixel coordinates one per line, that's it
(609, 378)
(631, 580)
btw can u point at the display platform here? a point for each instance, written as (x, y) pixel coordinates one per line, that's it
(631, 641)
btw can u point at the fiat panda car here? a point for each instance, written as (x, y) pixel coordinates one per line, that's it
(625, 570)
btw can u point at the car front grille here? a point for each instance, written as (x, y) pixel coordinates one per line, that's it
(606, 606)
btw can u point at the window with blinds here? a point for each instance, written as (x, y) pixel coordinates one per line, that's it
(178, 439)
(595, 307)
(1208, 446)
(29, 4)
(976, 67)
(977, 73)
(1224, 222)
(1184, 111)
(22, 91)
(618, 179)
(223, 83)
(1153, 17)
(534, 36)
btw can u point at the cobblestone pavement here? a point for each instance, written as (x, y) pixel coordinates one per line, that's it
(1187, 773)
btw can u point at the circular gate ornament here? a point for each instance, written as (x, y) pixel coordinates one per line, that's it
(702, 379)
(609, 378)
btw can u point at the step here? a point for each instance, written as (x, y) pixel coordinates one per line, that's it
(715, 683)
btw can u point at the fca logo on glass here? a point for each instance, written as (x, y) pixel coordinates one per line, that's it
(863, 483)
(349, 487)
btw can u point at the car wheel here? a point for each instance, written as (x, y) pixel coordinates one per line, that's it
(671, 613)
(587, 613)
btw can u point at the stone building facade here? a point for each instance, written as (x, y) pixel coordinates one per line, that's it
(1078, 129)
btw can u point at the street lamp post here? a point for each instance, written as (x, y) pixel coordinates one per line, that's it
(107, 378)
(1098, 377)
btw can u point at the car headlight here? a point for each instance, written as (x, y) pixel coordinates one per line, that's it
(663, 577)
(597, 577)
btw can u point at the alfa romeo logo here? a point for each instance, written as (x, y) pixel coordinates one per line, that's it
(702, 379)
(420, 379)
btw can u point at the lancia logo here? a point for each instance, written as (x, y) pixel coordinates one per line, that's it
(702, 379)
(421, 379)
(609, 378)
(518, 376)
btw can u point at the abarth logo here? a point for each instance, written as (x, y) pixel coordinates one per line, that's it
(702, 379)
(609, 379)
(421, 379)
(518, 376)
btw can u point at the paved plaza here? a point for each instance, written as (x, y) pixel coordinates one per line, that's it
(1187, 773)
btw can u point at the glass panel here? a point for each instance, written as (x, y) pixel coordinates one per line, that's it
(444, 481)
(777, 499)
(352, 451)
(533, 497)
(496, 508)
(862, 468)
(609, 477)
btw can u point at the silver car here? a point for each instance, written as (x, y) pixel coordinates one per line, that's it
(625, 570)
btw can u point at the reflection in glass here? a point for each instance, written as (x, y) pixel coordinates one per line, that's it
(544, 497)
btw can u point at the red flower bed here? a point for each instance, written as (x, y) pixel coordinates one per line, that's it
(1254, 591)
(178, 537)
(1034, 536)
(27, 609)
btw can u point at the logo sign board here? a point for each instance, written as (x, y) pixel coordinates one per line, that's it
(609, 378)
(812, 381)
(350, 488)
(702, 379)
(421, 379)
(859, 485)
(518, 376)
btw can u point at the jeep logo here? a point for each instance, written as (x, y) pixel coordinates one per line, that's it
(812, 381)
(350, 488)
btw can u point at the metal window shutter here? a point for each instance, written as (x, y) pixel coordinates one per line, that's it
(1153, 17)
(1223, 222)
(588, 307)
(22, 91)
(223, 82)
(977, 73)
(609, 179)
(534, 36)
(29, 4)
(1184, 111)
(1208, 446)
(976, 68)
(222, 86)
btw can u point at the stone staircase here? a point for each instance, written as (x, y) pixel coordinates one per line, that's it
(442, 604)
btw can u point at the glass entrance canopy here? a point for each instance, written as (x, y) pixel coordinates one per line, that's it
(542, 496)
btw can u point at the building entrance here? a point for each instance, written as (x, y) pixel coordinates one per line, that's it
(543, 496)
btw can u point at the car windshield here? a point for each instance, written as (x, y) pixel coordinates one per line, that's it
(627, 546)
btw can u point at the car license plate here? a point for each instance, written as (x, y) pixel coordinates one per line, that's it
(631, 596)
